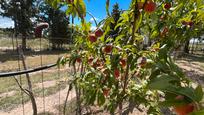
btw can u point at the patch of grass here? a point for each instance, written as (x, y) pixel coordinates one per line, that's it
(9, 61)
(8, 103)
(9, 58)
(31, 43)
(11, 102)
(50, 90)
(9, 84)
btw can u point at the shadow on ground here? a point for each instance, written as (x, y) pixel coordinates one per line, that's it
(10, 55)
(193, 57)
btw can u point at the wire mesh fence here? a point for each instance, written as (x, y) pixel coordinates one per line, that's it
(55, 88)
(49, 83)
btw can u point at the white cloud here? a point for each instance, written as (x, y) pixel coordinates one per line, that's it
(93, 28)
(93, 22)
(6, 22)
(92, 19)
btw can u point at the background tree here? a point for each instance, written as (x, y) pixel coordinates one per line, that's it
(116, 15)
(59, 24)
(21, 12)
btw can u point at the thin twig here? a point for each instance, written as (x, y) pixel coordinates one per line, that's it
(24, 90)
(65, 103)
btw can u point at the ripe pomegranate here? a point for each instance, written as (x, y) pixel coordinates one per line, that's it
(90, 60)
(167, 6)
(108, 49)
(78, 60)
(184, 109)
(106, 92)
(150, 6)
(98, 33)
(92, 38)
(123, 62)
(116, 73)
(164, 31)
(96, 64)
(190, 23)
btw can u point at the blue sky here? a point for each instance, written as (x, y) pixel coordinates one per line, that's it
(95, 7)
(5, 22)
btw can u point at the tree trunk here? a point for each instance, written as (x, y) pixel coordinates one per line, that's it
(24, 42)
(186, 47)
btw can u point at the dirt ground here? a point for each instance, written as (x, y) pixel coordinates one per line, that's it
(193, 66)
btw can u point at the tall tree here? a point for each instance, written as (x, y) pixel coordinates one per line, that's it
(116, 15)
(21, 12)
(58, 21)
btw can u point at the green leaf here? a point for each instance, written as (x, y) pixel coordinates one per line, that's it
(187, 91)
(107, 7)
(133, 65)
(100, 98)
(199, 3)
(129, 59)
(200, 112)
(61, 61)
(138, 23)
(163, 52)
(162, 82)
(178, 7)
(155, 73)
(115, 60)
(119, 37)
(199, 93)
(91, 96)
(175, 68)
(172, 102)
(54, 4)
(80, 8)
(154, 34)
